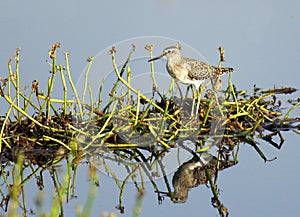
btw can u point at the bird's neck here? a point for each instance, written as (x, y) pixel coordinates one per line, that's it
(174, 58)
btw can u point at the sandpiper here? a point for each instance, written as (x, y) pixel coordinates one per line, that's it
(193, 173)
(187, 70)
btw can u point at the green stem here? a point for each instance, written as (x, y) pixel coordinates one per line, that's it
(72, 84)
(86, 75)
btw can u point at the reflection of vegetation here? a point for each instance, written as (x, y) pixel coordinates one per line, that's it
(15, 177)
(132, 130)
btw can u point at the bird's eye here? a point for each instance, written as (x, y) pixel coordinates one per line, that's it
(169, 51)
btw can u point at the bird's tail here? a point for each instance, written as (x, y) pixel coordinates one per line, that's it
(221, 71)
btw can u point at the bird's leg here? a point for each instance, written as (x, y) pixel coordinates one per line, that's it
(196, 95)
(198, 99)
(193, 104)
(199, 90)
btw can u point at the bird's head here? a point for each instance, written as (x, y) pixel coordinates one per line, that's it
(180, 196)
(169, 53)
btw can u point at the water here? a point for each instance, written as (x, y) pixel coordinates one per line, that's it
(261, 41)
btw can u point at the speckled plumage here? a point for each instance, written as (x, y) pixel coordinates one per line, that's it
(193, 173)
(187, 70)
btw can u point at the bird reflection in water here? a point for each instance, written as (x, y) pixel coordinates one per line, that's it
(195, 172)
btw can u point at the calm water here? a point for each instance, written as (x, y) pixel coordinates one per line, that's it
(261, 41)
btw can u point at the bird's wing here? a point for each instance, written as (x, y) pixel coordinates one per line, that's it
(198, 70)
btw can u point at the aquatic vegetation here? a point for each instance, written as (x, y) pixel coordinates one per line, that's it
(39, 131)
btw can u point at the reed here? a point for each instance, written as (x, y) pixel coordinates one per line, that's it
(47, 130)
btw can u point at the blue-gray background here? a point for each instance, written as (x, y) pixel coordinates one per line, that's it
(262, 42)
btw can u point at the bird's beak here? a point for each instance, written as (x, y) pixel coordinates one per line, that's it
(164, 193)
(156, 58)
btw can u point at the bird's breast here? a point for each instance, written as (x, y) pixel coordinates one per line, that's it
(179, 72)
